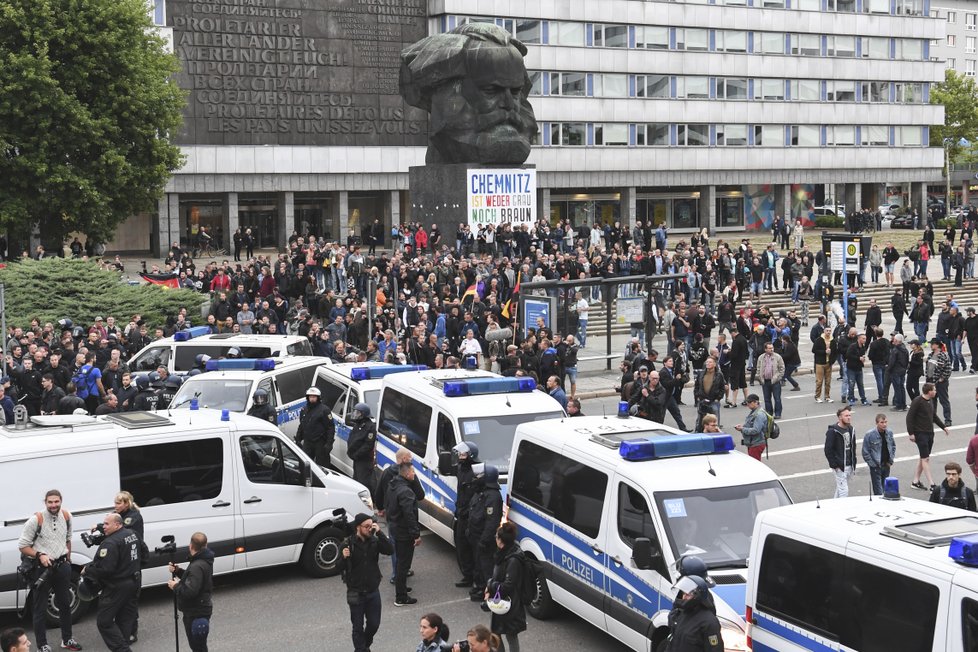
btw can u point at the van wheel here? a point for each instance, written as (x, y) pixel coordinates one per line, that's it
(321, 554)
(542, 607)
(78, 606)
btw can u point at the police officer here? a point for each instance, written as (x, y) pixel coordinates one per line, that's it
(156, 384)
(146, 398)
(316, 430)
(467, 454)
(361, 572)
(126, 507)
(170, 387)
(261, 409)
(485, 514)
(362, 444)
(116, 568)
(693, 623)
(692, 565)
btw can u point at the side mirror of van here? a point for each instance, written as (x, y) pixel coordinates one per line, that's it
(445, 463)
(305, 473)
(642, 553)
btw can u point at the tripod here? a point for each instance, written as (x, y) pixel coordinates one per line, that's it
(169, 547)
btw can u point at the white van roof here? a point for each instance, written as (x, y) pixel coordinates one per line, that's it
(429, 386)
(907, 529)
(599, 438)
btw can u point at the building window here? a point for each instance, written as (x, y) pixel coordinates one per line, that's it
(950, 63)
(970, 21)
(159, 12)
(563, 33)
(732, 88)
(969, 67)
(734, 2)
(536, 82)
(568, 83)
(769, 42)
(810, 5)
(805, 136)
(875, 136)
(768, 89)
(611, 134)
(731, 135)
(910, 7)
(759, 140)
(528, 31)
(692, 40)
(969, 44)
(876, 47)
(694, 135)
(652, 37)
(842, 6)
(841, 91)
(806, 90)
(653, 135)
(568, 134)
(909, 92)
(772, 4)
(877, 92)
(952, 17)
(652, 86)
(806, 45)
(693, 88)
(952, 40)
(607, 85)
(841, 46)
(908, 136)
(611, 36)
(841, 136)
(731, 41)
(910, 49)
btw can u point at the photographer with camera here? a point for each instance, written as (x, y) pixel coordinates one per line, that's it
(116, 570)
(46, 539)
(192, 588)
(361, 572)
(478, 639)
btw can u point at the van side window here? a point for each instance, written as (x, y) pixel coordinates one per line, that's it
(969, 623)
(177, 472)
(567, 489)
(155, 357)
(268, 461)
(446, 434)
(333, 394)
(635, 521)
(862, 606)
(266, 385)
(291, 386)
(300, 348)
(405, 420)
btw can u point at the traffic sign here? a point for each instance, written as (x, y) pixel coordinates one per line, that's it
(847, 250)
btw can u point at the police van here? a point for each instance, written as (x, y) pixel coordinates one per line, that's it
(608, 505)
(864, 574)
(231, 385)
(344, 385)
(429, 412)
(259, 498)
(179, 352)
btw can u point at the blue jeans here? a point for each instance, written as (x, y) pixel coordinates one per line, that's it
(639, 333)
(582, 332)
(899, 382)
(794, 290)
(845, 376)
(772, 398)
(957, 357)
(877, 474)
(788, 370)
(920, 329)
(856, 381)
(878, 371)
(946, 265)
(756, 287)
(365, 617)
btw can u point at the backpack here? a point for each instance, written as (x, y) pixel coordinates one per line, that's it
(80, 379)
(773, 431)
(532, 570)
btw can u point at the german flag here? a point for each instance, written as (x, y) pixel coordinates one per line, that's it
(469, 293)
(166, 280)
(514, 299)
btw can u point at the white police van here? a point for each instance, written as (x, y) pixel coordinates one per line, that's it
(864, 574)
(259, 498)
(344, 385)
(429, 412)
(608, 504)
(231, 385)
(179, 352)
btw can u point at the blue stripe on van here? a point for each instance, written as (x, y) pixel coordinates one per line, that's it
(804, 641)
(290, 412)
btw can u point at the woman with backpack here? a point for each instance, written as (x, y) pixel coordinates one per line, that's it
(509, 582)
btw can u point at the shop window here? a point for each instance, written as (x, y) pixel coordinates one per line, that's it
(730, 212)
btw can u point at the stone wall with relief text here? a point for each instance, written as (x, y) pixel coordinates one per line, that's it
(296, 72)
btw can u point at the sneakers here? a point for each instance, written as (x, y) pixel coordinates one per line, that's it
(829, 400)
(917, 485)
(865, 402)
(70, 644)
(947, 422)
(44, 648)
(796, 388)
(405, 601)
(818, 400)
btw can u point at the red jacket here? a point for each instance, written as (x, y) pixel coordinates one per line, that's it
(221, 282)
(971, 457)
(267, 286)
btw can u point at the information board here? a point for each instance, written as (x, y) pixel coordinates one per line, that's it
(851, 252)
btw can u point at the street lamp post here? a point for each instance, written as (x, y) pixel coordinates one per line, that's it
(947, 175)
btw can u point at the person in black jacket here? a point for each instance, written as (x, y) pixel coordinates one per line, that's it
(952, 491)
(971, 334)
(193, 587)
(401, 507)
(132, 518)
(840, 450)
(261, 408)
(116, 568)
(316, 430)
(361, 572)
(879, 354)
(362, 444)
(507, 580)
(899, 308)
(897, 363)
(467, 455)
(485, 514)
(401, 456)
(693, 623)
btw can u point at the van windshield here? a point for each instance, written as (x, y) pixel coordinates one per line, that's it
(718, 521)
(216, 393)
(494, 435)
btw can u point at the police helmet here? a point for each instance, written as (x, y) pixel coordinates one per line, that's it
(80, 412)
(491, 477)
(363, 409)
(154, 379)
(467, 448)
(194, 372)
(87, 590)
(260, 397)
(65, 324)
(234, 352)
(142, 382)
(78, 332)
(201, 359)
(695, 587)
(694, 566)
(479, 470)
(174, 382)
(314, 391)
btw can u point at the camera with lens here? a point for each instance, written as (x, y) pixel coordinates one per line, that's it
(343, 522)
(463, 646)
(45, 576)
(95, 538)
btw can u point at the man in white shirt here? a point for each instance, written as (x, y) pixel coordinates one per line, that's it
(470, 346)
(582, 308)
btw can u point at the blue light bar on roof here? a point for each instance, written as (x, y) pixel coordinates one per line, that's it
(373, 373)
(477, 386)
(964, 550)
(241, 364)
(188, 334)
(675, 446)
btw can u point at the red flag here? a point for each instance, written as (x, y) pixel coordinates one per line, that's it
(166, 280)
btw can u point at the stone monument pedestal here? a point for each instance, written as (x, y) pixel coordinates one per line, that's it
(440, 195)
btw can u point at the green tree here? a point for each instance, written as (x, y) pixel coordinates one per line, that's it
(87, 106)
(959, 95)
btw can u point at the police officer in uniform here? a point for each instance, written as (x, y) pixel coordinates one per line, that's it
(485, 514)
(467, 454)
(126, 507)
(170, 387)
(693, 623)
(362, 444)
(146, 398)
(116, 569)
(261, 409)
(316, 430)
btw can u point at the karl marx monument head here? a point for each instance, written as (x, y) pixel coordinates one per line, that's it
(473, 83)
